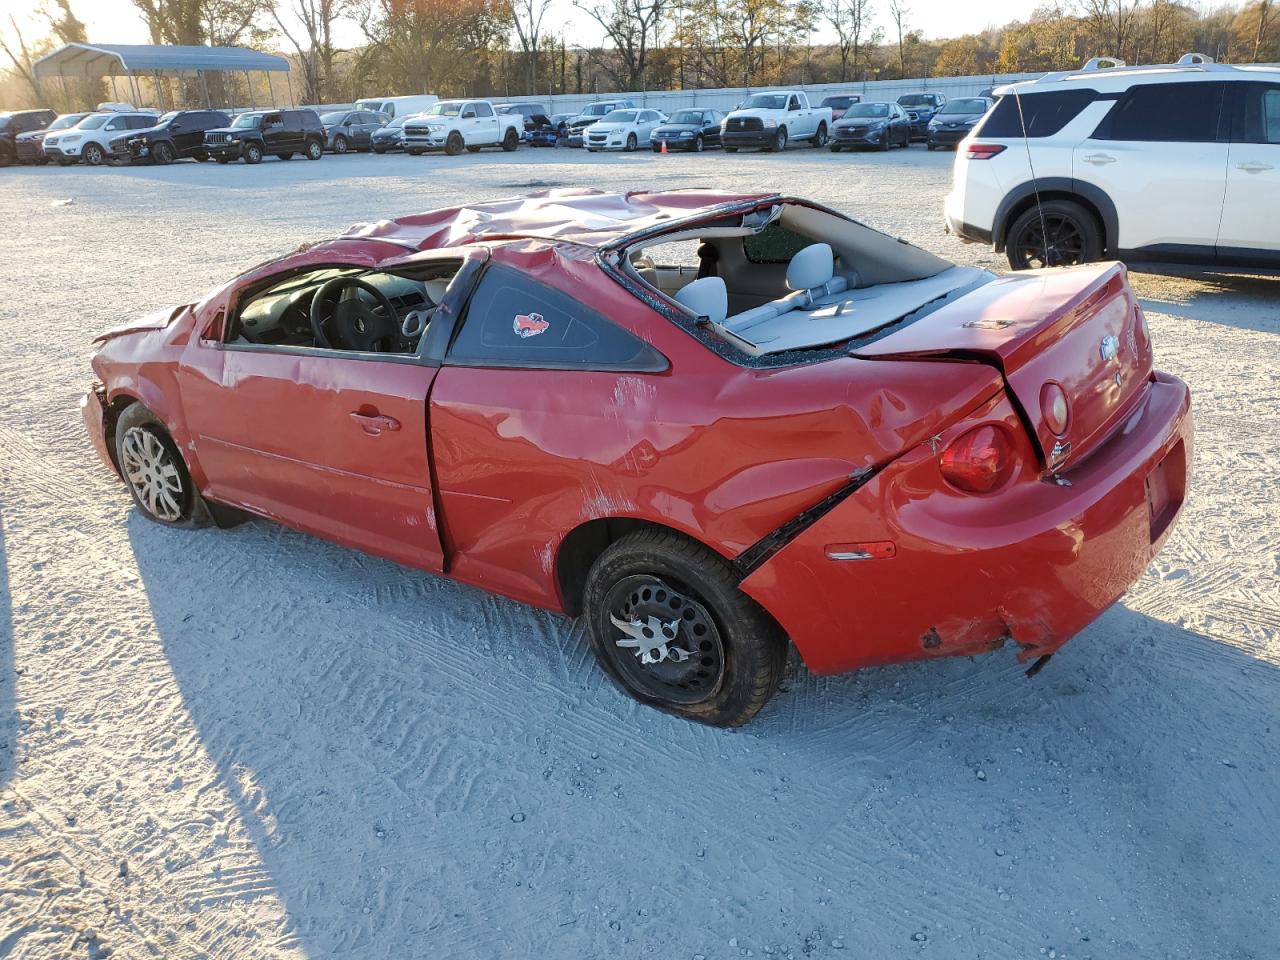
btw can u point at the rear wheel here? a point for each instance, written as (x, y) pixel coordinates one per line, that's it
(162, 154)
(152, 467)
(669, 625)
(510, 141)
(315, 150)
(453, 145)
(820, 138)
(1056, 233)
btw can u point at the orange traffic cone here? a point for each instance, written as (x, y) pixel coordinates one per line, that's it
(664, 146)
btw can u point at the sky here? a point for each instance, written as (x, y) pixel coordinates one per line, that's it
(118, 21)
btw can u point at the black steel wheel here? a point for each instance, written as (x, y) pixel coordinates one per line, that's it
(669, 625)
(1057, 233)
(510, 141)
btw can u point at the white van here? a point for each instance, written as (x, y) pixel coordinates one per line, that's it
(397, 106)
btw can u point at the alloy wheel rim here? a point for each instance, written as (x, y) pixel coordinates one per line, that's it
(153, 473)
(663, 641)
(1064, 245)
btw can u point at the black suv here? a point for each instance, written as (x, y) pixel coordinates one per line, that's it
(920, 109)
(253, 135)
(535, 115)
(20, 121)
(176, 135)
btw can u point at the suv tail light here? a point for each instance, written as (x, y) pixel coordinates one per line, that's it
(979, 460)
(984, 151)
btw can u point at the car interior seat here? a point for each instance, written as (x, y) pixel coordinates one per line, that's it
(708, 297)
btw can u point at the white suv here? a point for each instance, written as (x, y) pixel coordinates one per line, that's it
(1176, 162)
(90, 139)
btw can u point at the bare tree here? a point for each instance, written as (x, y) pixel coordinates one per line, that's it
(315, 43)
(633, 27)
(1264, 18)
(20, 56)
(527, 15)
(899, 11)
(1110, 24)
(850, 19)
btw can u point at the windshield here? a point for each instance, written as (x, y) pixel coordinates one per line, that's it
(867, 110)
(621, 116)
(686, 116)
(599, 109)
(840, 103)
(765, 101)
(444, 108)
(165, 118)
(69, 120)
(374, 105)
(329, 119)
(399, 122)
(247, 121)
(916, 100)
(967, 105)
(95, 121)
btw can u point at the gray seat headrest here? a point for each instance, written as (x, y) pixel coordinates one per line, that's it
(814, 266)
(708, 297)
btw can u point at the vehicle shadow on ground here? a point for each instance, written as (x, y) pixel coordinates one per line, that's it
(431, 765)
(8, 673)
(1236, 299)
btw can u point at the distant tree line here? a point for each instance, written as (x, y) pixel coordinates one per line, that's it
(516, 47)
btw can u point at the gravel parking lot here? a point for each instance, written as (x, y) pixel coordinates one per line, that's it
(254, 744)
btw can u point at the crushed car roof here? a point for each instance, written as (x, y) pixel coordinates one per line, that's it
(587, 217)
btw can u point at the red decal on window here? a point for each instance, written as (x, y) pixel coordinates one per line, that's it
(529, 326)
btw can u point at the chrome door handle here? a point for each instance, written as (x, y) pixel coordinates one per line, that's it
(1254, 166)
(374, 423)
(1099, 159)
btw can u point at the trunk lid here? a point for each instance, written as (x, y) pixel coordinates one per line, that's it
(1079, 327)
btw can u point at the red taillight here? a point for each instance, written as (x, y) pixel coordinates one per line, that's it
(1054, 408)
(984, 151)
(978, 461)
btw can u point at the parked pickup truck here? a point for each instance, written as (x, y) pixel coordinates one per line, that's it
(450, 125)
(771, 120)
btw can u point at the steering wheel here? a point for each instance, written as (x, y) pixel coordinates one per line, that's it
(357, 325)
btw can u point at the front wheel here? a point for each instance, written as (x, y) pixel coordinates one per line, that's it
(152, 467)
(453, 145)
(340, 144)
(669, 625)
(510, 141)
(820, 138)
(699, 144)
(252, 153)
(1056, 233)
(93, 155)
(162, 154)
(631, 143)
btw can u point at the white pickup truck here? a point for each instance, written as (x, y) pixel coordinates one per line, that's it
(451, 125)
(772, 120)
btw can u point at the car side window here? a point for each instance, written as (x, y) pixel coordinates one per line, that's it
(793, 103)
(1261, 120)
(513, 321)
(1044, 113)
(484, 110)
(1166, 113)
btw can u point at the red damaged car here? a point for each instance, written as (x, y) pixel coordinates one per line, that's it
(710, 424)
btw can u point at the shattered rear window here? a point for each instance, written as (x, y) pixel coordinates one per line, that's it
(774, 244)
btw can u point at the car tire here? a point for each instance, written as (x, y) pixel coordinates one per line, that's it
(315, 150)
(699, 144)
(820, 138)
(162, 154)
(510, 141)
(153, 468)
(340, 144)
(252, 153)
(734, 652)
(93, 155)
(834, 148)
(453, 144)
(1076, 232)
(656, 147)
(730, 149)
(632, 141)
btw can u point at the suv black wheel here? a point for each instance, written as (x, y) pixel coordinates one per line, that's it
(1057, 233)
(162, 153)
(510, 141)
(453, 144)
(252, 153)
(339, 144)
(669, 625)
(152, 467)
(315, 149)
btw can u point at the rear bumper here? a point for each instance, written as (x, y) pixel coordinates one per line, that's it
(965, 231)
(1035, 563)
(95, 422)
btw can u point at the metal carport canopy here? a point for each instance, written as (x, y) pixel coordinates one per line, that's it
(124, 59)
